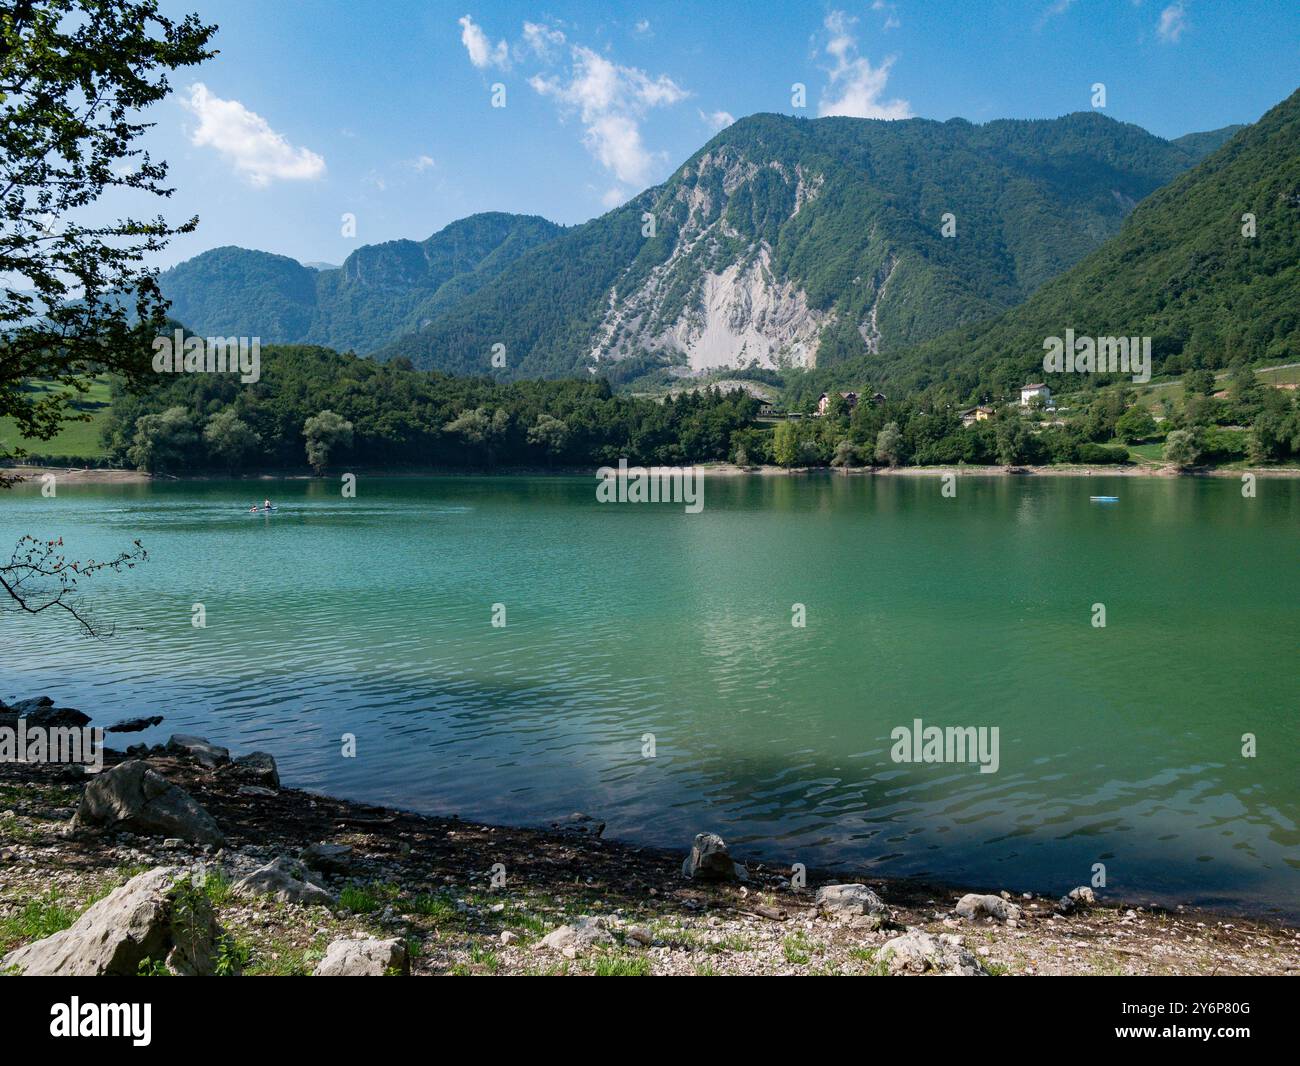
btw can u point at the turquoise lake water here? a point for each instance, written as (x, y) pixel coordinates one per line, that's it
(372, 616)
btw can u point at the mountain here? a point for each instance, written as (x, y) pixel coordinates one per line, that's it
(236, 292)
(381, 291)
(789, 242)
(1203, 144)
(1180, 271)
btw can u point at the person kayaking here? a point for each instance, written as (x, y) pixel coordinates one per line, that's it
(266, 505)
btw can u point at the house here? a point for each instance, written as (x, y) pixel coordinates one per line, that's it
(824, 402)
(972, 415)
(768, 409)
(1039, 391)
(877, 399)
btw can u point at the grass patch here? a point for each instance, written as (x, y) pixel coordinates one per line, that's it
(232, 956)
(730, 943)
(612, 964)
(875, 965)
(216, 886)
(76, 440)
(359, 899)
(436, 905)
(38, 919)
(797, 949)
(285, 962)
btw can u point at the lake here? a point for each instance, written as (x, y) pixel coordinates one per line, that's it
(1119, 745)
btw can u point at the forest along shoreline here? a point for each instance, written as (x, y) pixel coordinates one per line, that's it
(114, 476)
(291, 882)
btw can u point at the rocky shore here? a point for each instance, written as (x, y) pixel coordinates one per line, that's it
(183, 858)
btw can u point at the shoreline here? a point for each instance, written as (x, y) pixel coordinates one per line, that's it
(115, 476)
(430, 880)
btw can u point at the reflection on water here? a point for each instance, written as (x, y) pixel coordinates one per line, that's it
(372, 616)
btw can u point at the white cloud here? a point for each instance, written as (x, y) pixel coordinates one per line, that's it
(1173, 20)
(890, 11)
(424, 162)
(542, 40)
(1057, 7)
(718, 120)
(482, 52)
(610, 100)
(246, 139)
(612, 197)
(642, 26)
(856, 87)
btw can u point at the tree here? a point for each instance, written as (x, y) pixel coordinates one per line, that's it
(1012, 439)
(163, 442)
(1182, 448)
(1198, 383)
(75, 298)
(229, 438)
(325, 434)
(846, 454)
(39, 578)
(550, 434)
(478, 427)
(889, 444)
(785, 444)
(1135, 424)
(809, 453)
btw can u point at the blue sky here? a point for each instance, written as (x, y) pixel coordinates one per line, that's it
(382, 109)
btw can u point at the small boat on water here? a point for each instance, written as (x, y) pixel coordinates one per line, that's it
(262, 510)
(1104, 499)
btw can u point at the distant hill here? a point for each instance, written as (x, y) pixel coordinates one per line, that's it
(1203, 144)
(381, 291)
(1180, 271)
(788, 242)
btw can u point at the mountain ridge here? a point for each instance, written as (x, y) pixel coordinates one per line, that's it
(789, 242)
(379, 291)
(1181, 270)
(782, 242)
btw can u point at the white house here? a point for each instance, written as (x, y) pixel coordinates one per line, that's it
(1029, 393)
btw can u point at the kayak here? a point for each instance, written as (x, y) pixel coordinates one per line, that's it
(1104, 499)
(262, 510)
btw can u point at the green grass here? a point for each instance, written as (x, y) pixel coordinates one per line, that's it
(1147, 453)
(876, 967)
(76, 440)
(288, 963)
(359, 898)
(232, 956)
(796, 949)
(216, 886)
(38, 919)
(612, 964)
(730, 943)
(436, 906)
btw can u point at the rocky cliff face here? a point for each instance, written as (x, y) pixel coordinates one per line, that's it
(717, 301)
